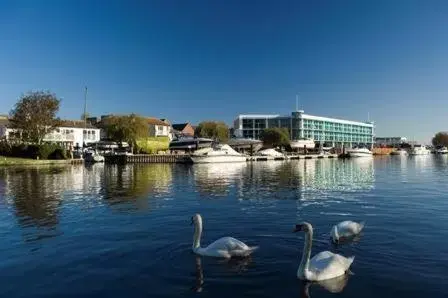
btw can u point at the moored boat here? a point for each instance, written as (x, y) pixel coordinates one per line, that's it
(419, 150)
(188, 143)
(399, 152)
(221, 153)
(359, 152)
(442, 150)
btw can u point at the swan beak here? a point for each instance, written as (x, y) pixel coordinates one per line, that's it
(297, 228)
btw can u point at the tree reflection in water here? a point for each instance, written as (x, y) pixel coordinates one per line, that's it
(133, 185)
(36, 195)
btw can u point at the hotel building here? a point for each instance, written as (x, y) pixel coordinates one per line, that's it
(323, 130)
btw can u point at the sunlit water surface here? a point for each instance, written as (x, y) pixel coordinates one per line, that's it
(124, 231)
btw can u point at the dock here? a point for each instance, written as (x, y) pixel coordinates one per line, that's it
(184, 158)
(291, 157)
(147, 158)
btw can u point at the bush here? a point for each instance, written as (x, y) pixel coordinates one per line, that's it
(152, 145)
(59, 153)
(43, 151)
(5, 148)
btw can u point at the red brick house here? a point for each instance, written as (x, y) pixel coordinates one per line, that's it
(184, 129)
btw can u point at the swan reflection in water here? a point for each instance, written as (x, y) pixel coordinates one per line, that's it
(234, 265)
(346, 240)
(334, 285)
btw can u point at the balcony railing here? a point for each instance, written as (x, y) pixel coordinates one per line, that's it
(58, 137)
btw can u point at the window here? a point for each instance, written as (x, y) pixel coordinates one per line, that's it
(248, 123)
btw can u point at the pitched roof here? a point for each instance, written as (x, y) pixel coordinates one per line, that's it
(155, 121)
(180, 126)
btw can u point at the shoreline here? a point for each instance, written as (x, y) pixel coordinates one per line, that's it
(6, 161)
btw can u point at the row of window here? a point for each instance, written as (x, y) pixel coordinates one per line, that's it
(307, 124)
(71, 131)
(338, 137)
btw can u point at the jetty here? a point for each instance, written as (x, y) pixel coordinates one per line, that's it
(184, 158)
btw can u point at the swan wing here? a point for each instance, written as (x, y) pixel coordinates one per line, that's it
(228, 247)
(327, 265)
(348, 228)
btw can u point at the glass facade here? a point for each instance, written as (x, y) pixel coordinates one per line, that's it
(300, 125)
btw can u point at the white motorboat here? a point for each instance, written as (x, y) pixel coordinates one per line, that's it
(222, 153)
(302, 143)
(359, 152)
(187, 143)
(270, 152)
(419, 150)
(442, 150)
(93, 156)
(399, 152)
(245, 144)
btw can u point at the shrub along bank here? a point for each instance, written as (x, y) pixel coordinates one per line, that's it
(152, 145)
(33, 151)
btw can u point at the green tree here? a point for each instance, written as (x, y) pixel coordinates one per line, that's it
(440, 139)
(34, 115)
(275, 137)
(128, 128)
(213, 129)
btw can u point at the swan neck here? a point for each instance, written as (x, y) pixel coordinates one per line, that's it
(197, 235)
(305, 262)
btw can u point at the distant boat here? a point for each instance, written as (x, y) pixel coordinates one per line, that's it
(442, 150)
(219, 154)
(359, 152)
(93, 156)
(400, 152)
(419, 150)
(245, 144)
(302, 143)
(270, 152)
(186, 143)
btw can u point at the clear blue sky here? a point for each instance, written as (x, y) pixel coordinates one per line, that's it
(200, 60)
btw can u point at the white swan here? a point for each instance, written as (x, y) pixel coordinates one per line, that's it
(346, 229)
(225, 247)
(324, 265)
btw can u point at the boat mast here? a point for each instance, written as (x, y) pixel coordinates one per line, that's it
(85, 107)
(84, 116)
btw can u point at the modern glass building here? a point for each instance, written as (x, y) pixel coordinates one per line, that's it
(323, 130)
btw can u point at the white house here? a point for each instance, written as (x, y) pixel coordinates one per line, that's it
(75, 133)
(69, 133)
(159, 128)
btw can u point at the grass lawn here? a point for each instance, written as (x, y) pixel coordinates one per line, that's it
(13, 161)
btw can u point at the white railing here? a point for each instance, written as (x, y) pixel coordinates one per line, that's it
(58, 137)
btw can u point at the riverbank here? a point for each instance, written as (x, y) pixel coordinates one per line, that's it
(15, 161)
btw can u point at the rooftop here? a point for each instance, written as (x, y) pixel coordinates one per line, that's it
(155, 121)
(180, 126)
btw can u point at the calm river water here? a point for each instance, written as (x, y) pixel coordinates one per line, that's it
(113, 231)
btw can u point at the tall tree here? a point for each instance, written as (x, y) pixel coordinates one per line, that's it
(275, 137)
(213, 129)
(128, 128)
(34, 115)
(440, 139)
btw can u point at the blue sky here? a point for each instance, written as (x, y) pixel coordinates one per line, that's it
(201, 60)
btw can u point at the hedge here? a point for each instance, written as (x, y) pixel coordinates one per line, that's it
(42, 151)
(152, 145)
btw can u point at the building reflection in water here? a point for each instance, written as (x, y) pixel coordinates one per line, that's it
(303, 179)
(217, 179)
